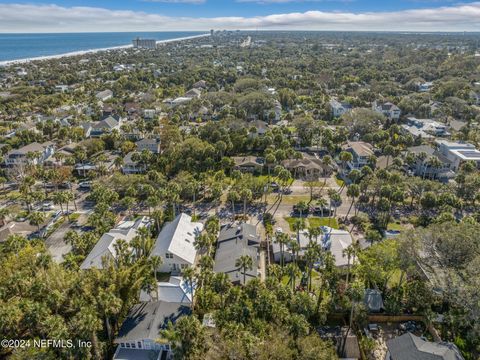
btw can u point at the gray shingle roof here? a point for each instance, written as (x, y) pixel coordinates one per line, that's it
(145, 320)
(411, 347)
(233, 242)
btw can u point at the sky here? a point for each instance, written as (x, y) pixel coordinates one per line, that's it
(189, 15)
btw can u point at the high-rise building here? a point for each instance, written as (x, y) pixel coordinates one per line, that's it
(144, 43)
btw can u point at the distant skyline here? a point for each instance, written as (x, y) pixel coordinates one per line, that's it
(202, 15)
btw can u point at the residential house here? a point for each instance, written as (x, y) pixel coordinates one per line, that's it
(308, 168)
(64, 152)
(177, 101)
(62, 88)
(409, 346)
(458, 152)
(105, 248)
(152, 145)
(332, 240)
(149, 114)
(202, 84)
(131, 166)
(104, 95)
(424, 128)
(475, 97)
(275, 113)
(423, 166)
(138, 335)
(248, 164)
(132, 108)
(390, 110)
(233, 242)
(257, 128)
(202, 113)
(33, 153)
(339, 108)
(425, 87)
(175, 244)
(175, 290)
(361, 154)
(105, 126)
(193, 93)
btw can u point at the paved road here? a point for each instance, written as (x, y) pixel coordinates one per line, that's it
(56, 244)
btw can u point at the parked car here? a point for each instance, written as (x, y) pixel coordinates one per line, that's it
(47, 206)
(319, 211)
(85, 185)
(296, 210)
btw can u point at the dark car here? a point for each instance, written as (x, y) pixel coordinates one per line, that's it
(319, 211)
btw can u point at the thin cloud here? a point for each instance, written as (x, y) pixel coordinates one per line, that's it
(53, 18)
(269, 2)
(195, 2)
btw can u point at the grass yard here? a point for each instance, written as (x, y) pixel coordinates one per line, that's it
(339, 181)
(288, 199)
(395, 226)
(313, 222)
(318, 221)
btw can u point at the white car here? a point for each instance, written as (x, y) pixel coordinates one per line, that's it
(47, 206)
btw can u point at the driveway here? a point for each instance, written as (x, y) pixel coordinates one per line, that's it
(56, 244)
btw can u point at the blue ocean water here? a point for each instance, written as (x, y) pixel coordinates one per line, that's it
(24, 46)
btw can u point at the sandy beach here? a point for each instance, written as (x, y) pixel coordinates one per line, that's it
(92, 51)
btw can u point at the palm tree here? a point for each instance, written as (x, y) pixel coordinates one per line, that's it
(353, 191)
(4, 214)
(312, 254)
(189, 278)
(293, 270)
(326, 162)
(221, 284)
(335, 201)
(244, 263)
(434, 163)
(233, 196)
(212, 225)
(58, 199)
(322, 203)
(301, 207)
(299, 224)
(282, 239)
(294, 248)
(345, 157)
(37, 218)
(246, 196)
(155, 262)
(349, 252)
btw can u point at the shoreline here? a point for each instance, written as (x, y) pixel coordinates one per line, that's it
(92, 51)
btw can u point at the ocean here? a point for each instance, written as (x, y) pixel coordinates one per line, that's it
(26, 46)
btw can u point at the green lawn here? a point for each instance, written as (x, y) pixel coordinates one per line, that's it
(74, 216)
(314, 222)
(318, 221)
(288, 199)
(291, 221)
(395, 226)
(339, 181)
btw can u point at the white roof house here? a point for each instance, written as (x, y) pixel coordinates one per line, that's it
(336, 241)
(175, 243)
(332, 240)
(425, 128)
(176, 290)
(458, 152)
(105, 247)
